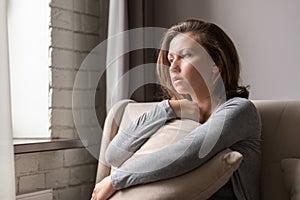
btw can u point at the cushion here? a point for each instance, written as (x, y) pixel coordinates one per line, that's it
(291, 174)
(200, 183)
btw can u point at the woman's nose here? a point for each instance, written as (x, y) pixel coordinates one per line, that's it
(175, 64)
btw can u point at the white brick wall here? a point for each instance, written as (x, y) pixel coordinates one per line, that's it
(73, 157)
(62, 39)
(51, 160)
(26, 164)
(75, 31)
(62, 78)
(63, 59)
(65, 171)
(61, 98)
(68, 193)
(58, 178)
(66, 4)
(36, 181)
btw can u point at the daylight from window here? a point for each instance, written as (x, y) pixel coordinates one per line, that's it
(28, 23)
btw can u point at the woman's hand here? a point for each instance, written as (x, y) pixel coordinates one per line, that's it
(185, 109)
(103, 190)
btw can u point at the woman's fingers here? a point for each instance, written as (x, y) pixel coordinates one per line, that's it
(103, 190)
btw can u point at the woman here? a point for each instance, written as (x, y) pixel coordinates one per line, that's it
(197, 61)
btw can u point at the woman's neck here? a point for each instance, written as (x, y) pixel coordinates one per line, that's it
(205, 105)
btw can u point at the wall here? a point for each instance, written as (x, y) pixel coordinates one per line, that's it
(265, 33)
(75, 30)
(70, 173)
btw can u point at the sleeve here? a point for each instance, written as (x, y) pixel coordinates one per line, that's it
(232, 122)
(129, 139)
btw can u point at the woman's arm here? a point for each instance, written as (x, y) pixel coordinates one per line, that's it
(234, 121)
(130, 138)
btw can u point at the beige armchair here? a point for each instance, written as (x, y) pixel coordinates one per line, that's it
(280, 140)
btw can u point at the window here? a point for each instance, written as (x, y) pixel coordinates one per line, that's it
(28, 32)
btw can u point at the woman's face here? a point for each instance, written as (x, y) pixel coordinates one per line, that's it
(190, 66)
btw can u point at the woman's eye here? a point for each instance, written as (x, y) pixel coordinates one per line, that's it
(187, 55)
(171, 60)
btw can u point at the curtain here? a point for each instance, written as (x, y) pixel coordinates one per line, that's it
(7, 185)
(116, 66)
(123, 16)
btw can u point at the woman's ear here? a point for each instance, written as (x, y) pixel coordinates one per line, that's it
(215, 73)
(215, 69)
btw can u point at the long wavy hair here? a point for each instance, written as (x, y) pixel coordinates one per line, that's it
(217, 44)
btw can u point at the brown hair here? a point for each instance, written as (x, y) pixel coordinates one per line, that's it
(218, 45)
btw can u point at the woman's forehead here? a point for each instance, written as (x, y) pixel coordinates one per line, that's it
(184, 41)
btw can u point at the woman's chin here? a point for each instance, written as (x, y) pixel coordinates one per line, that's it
(183, 90)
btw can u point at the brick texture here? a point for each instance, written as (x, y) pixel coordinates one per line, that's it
(75, 31)
(68, 172)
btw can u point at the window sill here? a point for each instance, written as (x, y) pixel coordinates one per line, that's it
(22, 146)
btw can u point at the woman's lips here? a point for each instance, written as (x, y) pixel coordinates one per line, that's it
(176, 79)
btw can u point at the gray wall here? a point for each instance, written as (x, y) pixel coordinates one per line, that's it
(266, 34)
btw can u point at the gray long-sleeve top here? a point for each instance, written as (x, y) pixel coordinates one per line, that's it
(234, 124)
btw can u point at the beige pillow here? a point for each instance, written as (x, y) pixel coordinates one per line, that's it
(291, 174)
(200, 183)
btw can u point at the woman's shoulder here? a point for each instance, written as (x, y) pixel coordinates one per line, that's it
(240, 110)
(239, 102)
(240, 105)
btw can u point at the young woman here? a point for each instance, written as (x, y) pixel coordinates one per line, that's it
(199, 62)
